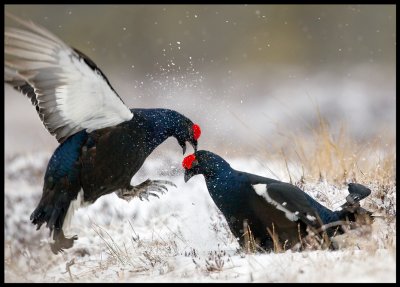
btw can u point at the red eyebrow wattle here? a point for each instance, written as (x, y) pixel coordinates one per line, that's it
(188, 161)
(196, 131)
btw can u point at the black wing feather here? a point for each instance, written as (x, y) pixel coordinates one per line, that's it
(293, 199)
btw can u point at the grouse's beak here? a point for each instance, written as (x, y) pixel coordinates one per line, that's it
(194, 145)
(188, 174)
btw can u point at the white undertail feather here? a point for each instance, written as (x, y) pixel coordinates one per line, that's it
(261, 189)
(71, 95)
(73, 206)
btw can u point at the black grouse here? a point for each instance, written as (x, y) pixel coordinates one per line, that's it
(270, 208)
(102, 142)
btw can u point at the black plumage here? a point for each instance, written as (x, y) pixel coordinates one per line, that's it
(102, 143)
(270, 208)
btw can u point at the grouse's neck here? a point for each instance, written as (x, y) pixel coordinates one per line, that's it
(160, 124)
(219, 177)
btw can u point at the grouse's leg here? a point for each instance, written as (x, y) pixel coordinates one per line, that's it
(61, 242)
(144, 189)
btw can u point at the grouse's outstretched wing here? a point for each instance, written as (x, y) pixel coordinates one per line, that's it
(69, 91)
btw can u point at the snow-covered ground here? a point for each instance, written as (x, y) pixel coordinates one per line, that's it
(180, 237)
(246, 108)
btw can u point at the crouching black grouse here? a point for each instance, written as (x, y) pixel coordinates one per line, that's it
(102, 142)
(270, 208)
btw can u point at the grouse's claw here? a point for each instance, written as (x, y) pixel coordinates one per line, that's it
(62, 243)
(155, 186)
(145, 195)
(164, 182)
(145, 189)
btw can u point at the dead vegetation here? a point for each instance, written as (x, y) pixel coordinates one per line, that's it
(327, 161)
(334, 158)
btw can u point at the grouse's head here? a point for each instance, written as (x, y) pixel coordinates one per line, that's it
(187, 131)
(203, 162)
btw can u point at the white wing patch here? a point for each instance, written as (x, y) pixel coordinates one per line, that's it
(311, 217)
(71, 95)
(261, 189)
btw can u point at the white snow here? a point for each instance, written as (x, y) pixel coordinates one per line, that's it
(180, 237)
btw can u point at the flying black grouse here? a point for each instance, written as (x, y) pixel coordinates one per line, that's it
(102, 142)
(266, 203)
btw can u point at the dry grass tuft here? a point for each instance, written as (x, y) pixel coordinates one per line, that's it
(335, 157)
(326, 155)
(139, 255)
(339, 158)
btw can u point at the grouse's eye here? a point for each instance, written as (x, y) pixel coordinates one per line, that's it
(189, 161)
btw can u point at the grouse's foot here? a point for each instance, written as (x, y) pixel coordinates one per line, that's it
(145, 189)
(61, 242)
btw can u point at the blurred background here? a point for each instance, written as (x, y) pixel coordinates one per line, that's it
(247, 74)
